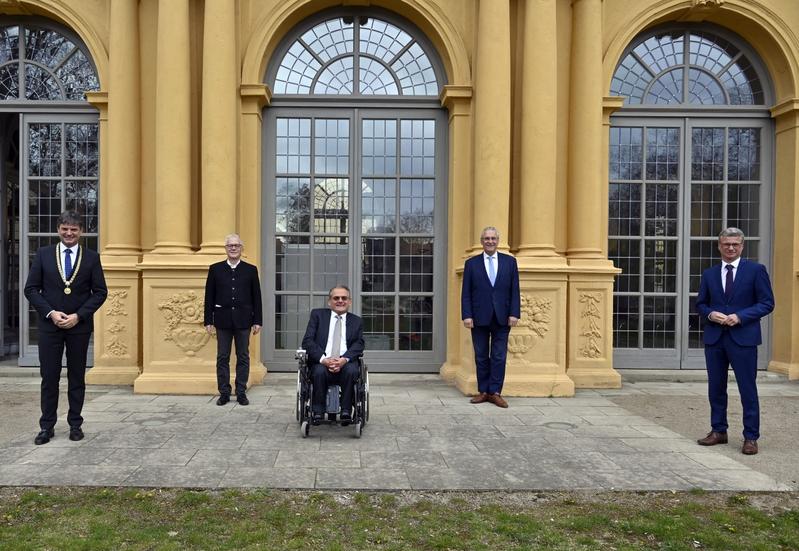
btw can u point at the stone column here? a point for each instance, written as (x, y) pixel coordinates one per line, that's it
(219, 125)
(491, 187)
(590, 296)
(116, 339)
(785, 274)
(173, 130)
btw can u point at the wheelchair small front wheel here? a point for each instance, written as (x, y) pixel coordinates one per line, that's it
(358, 429)
(305, 429)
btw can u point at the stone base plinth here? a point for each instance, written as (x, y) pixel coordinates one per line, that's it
(112, 375)
(595, 377)
(785, 368)
(189, 381)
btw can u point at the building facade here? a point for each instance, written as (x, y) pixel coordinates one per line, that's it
(368, 142)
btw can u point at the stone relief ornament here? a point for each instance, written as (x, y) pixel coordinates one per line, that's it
(532, 326)
(708, 3)
(590, 330)
(115, 344)
(183, 313)
(115, 305)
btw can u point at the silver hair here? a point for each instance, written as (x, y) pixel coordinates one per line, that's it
(334, 287)
(489, 228)
(233, 236)
(732, 232)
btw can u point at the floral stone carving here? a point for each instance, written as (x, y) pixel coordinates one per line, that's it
(532, 326)
(183, 313)
(115, 344)
(591, 332)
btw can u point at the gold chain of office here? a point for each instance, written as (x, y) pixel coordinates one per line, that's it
(68, 282)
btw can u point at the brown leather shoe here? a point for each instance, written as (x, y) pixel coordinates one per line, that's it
(713, 438)
(497, 400)
(749, 447)
(480, 398)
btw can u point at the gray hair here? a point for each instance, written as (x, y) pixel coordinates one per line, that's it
(70, 218)
(489, 228)
(334, 287)
(233, 236)
(732, 232)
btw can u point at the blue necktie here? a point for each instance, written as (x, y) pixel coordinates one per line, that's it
(728, 282)
(492, 274)
(68, 264)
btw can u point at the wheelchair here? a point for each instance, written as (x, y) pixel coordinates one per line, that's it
(360, 397)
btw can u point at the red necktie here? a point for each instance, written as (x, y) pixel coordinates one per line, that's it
(728, 282)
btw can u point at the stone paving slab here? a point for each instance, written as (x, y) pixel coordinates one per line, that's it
(422, 434)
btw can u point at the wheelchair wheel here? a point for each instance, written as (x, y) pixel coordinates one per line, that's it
(299, 406)
(358, 429)
(305, 428)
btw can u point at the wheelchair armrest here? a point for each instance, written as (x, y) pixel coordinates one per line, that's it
(301, 355)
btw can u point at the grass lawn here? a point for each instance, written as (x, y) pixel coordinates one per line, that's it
(125, 518)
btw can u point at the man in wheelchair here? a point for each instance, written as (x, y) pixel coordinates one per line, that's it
(333, 342)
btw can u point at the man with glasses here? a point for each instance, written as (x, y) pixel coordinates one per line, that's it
(732, 298)
(233, 310)
(333, 341)
(490, 306)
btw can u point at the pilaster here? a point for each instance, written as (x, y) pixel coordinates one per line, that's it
(254, 97)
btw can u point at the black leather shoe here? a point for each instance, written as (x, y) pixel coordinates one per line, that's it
(223, 399)
(242, 399)
(43, 437)
(75, 434)
(346, 419)
(316, 419)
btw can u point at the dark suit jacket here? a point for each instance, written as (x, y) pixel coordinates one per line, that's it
(315, 339)
(233, 297)
(44, 289)
(480, 301)
(751, 299)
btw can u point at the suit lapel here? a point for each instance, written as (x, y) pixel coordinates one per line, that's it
(324, 328)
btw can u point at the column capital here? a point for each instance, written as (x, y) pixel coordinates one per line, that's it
(100, 100)
(457, 99)
(786, 115)
(254, 97)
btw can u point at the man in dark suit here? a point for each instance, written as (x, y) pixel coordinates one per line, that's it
(490, 306)
(333, 341)
(733, 296)
(233, 310)
(66, 286)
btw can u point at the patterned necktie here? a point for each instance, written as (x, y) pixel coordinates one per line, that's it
(492, 274)
(68, 264)
(728, 282)
(335, 349)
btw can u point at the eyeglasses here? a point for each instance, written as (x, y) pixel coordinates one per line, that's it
(233, 246)
(339, 299)
(731, 245)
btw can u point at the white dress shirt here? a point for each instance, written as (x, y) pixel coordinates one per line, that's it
(343, 344)
(496, 264)
(62, 248)
(724, 271)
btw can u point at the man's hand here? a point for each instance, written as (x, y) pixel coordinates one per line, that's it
(58, 318)
(256, 329)
(718, 317)
(731, 320)
(210, 329)
(66, 321)
(513, 321)
(468, 323)
(334, 365)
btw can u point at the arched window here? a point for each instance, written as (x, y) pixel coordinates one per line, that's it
(355, 185)
(689, 156)
(49, 138)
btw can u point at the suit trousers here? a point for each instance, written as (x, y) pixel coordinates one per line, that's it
(322, 379)
(224, 340)
(51, 351)
(718, 358)
(490, 352)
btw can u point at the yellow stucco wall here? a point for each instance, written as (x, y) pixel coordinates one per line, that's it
(567, 270)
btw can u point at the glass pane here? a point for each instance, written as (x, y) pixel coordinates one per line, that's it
(707, 209)
(417, 147)
(630, 80)
(663, 154)
(743, 154)
(330, 262)
(415, 323)
(379, 147)
(626, 254)
(416, 264)
(46, 47)
(293, 146)
(707, 154)
(624, 217)
(704, 254)
(331, 146)
(336, 78)
(417, 200)
(743, 208)
(626, 153)
(379, 204)
(331, 206)
(293, 205)
(331, 38)
(82, 198)
(376, 78)
(743, 84)
(662, 209)
(40, 84)
(378, 264)
(660, 266)
(77, 76)
(291, 319)
(296, 71)
(382, 40)
(378, 322)
(292, 263)
(659, 322)
(44, 149)
(415, 73)
(44, 206)
(667, 88)
(9, 81)
(694, 326)
(626, 316)
(9, 43)
(703, 89)
(81, 149)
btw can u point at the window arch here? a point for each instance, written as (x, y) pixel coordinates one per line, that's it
(688, 67)
(689, 155)
(40, 63)
(357, 55)
(355, 186)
